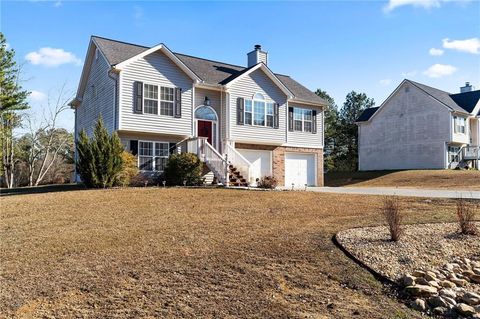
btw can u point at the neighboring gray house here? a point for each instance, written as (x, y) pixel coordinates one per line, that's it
(420, 127)
(243, 122)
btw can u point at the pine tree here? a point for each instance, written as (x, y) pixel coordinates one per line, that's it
(12, 99)
(100, 158)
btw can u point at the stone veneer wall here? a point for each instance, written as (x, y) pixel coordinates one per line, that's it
(278, 156)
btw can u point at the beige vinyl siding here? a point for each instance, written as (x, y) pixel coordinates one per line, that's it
(103, 104)
(156, 69)
(246, 87)
(307, 139)
(409, 132)
(125, 138)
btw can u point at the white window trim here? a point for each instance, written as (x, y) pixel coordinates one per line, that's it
(215, 126)
(456, 127)
(159, 99)
(153, 154)
(303, 120)
(265, 101)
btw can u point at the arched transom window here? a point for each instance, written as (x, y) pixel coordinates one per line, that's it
(205, 113)
(258, 111)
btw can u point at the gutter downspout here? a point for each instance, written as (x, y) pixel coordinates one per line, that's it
(112, 74)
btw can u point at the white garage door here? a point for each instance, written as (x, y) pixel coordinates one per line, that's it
(261, 162)
(299, 169)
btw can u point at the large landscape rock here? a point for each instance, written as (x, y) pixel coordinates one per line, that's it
(465, 310)
(421, 290)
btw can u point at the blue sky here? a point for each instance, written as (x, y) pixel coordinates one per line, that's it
(366, 46)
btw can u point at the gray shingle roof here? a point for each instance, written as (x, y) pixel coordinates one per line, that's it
(367, 114)
(439, 95)
(211, 72)
(467, 100)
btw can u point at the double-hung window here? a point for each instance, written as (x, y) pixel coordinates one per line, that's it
(302, 120)
(150, 99)
(152, 156)
(258, 112)
(459, 123)
(166, 101)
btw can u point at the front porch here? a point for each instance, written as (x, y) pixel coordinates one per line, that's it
(463, 156)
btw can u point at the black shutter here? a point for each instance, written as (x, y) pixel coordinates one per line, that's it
(172, 147)
(290, 119)
(134, 147)
(138, 97)
(178, 103)
(314, 122)
(275, 115)
(240, 110)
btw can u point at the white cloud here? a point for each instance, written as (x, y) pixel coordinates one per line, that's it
(37, 96)
(440, 70)
(409, 74)
(52, 57)
(57, 4)
(385, 82)
(435, 52)
(7, 45)
(427, 4)
(468, 45)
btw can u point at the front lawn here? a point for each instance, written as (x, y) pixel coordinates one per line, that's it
(191, 253)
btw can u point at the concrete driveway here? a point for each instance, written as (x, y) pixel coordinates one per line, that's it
(413, 192)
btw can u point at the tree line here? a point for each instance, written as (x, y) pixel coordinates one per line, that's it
(44, 153)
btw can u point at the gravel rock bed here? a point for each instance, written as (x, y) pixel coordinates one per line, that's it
(422, 246)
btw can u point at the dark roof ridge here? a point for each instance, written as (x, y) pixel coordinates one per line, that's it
(474, 91)
(129, 43)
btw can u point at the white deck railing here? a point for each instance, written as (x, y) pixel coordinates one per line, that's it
(240, 162)
(471, 152)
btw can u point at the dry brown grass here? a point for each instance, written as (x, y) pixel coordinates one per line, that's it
(145, 253)
(466, 212)
(452, 179)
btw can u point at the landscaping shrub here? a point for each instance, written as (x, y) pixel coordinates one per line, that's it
(466, 212)
(268, 182)
(99, 157)
(184, 167)
(392, 214)
(129, 169)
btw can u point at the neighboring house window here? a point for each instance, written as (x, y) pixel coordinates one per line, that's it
(258, 112)
(150, 99)
(459, 123)
(152, 156)
(303, 120)
(166, 100)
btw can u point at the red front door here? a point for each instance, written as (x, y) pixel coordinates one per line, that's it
(204, 129)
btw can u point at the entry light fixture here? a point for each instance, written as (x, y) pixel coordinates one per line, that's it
(206, 101)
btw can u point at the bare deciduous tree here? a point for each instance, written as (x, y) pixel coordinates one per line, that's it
(45, 141)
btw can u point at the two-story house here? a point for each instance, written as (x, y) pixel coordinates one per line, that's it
(247, 120)
(421, 127)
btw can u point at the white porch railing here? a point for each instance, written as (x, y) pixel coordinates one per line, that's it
(240, 162)
(212, 158)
